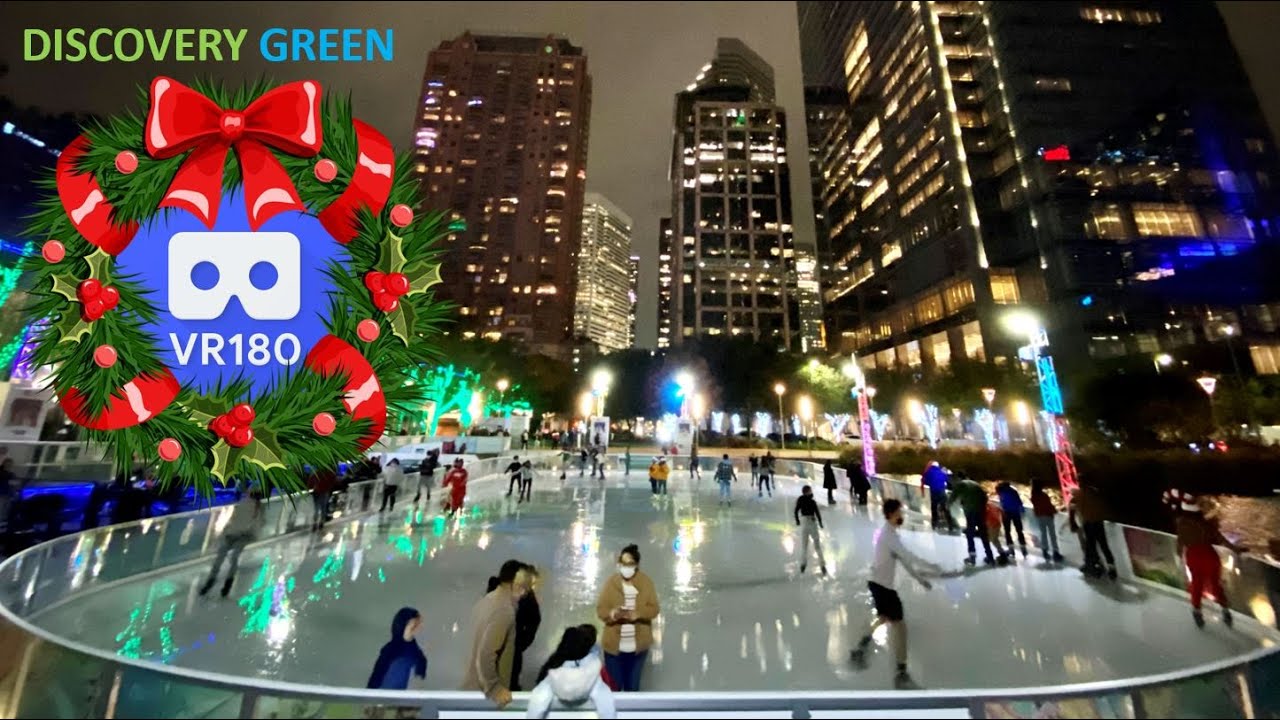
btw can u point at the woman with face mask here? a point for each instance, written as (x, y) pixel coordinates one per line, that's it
(627, 605)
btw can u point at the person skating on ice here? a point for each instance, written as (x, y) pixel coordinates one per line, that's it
(809, 520)
(829, 482)
(1013, 509)
(572, 677)
(1046, 513)
(994, 518)
(514, 469)
(392, 479)
(766, 475)
(427, 477)
(663, 474)
(401, 658)
(934, 480)
(724, 475)
(246, 518)
(755, 470)
(456, 481)
(526, 481)
(859, 484)
(888, 552)
(1087, 516)
(973, 502)
(1197, 533)
(582, 462)
(693, 462)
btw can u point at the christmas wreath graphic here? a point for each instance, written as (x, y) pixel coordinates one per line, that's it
(234, 283)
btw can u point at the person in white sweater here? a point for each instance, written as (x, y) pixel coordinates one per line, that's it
(246, 517)
(571, 677)
(392, 479)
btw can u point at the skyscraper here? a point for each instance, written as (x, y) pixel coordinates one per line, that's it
(603, 314)
(633, 293)
(501, 142)
(733, 252)
(666, 267)
(1080, 159)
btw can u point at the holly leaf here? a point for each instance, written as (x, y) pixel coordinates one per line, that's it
(64, 288)
(391, 254)
(202, 410)
(264, 451)
(99, 265)
(401, 321)
(422, 275)
(225, 460)
(71, 327)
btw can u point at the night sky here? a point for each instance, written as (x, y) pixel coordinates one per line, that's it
(638, 53)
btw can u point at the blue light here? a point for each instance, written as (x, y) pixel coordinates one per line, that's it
(1086, 301)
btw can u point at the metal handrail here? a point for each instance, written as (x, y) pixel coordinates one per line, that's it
(432, 701)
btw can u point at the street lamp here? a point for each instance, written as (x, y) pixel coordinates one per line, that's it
(1026, 325)
(697, 406)
(1208, 384)
(781, 390)
(805, 407)
(1161, 360)
(502, 386)
(989, 394)
(601, 381)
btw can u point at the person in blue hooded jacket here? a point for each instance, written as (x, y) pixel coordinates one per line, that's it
(401, 658)
(935, 479)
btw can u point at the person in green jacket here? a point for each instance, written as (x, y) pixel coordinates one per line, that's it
(973, 502)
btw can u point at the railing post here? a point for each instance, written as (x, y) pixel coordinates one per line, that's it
(800, 712)
(248, 703)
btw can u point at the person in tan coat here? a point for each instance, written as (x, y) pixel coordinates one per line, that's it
(493, 641)
(627, 605)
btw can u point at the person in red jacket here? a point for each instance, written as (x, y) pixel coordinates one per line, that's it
(456, 481)
(1197, 534)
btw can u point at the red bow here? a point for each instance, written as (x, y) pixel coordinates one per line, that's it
(181, 119)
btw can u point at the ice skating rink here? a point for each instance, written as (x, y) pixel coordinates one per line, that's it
(736, 612)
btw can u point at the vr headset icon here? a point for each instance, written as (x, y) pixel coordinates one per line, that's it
(234, 255)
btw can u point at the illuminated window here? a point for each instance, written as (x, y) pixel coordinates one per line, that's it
(1266, 358)
(1052, 84)
(958, 295)
(929, 309)
(926, 192)
(1166, 220)
(1106, 222)
(890, 253)
(972, 334)
(913, 358)
(874, 193)
(1004, 287)
(1134, 16)
(939, 347)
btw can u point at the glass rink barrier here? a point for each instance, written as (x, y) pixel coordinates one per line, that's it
(48, 676)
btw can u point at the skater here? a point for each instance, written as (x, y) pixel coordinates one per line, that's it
(246, 517)
(524, 440)
(664, 472)
(627, 605)
(392, 477)
(994, 518)
(572, 677)
(493, 627)
(725, 474)
(693, 462)
(1086, 504)
(514, 469)
(401, 658)
(599, 461)
(809, 520)
(626, 462)
(322, 484)
(426, 477)
(582, 462)
(1045, 513)
(973, 502)
(653, 476)
(935, 480)
(456, 481)
(1197, 534)
(595, 461)
(859, 483)
(766, 476)
(528, 618)
(829, 482)
(1011, 505)
(755, 470)
(889, 550)
(526, 481)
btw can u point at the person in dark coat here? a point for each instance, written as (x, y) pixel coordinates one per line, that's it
(829, 481)
(859, 484)
(401, 658)
(528, 618)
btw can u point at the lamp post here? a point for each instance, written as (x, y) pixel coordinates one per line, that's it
(1208, 384)
(1024, 324)
(781, 390)
(697, 408)
(864, 393)
(502, 386)
(601, 381)
(1161, 360)
(805, 408)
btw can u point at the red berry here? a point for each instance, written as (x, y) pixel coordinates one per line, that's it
(53, 251)
(169, 449)
(326, 170)
(397, 284)
(368, 330)
(104, 356)
(386, 303)
(88, 290)
(93, 310)
(324, 424)
(221, 426)
(242, 415)
(110, 297)
(126, 162)
(375, 281)
(401, 215)
(240, 437)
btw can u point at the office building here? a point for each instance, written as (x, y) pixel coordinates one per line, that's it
(604, 313)
(733, 252)
(633, 294)
(666, 266)
(1083, 160)
(500, 141)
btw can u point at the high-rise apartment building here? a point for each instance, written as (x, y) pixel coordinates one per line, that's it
(666, 286)
(633, 293)
(733, 254)
(500, 141)
(604, 313)
(1084, 159)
